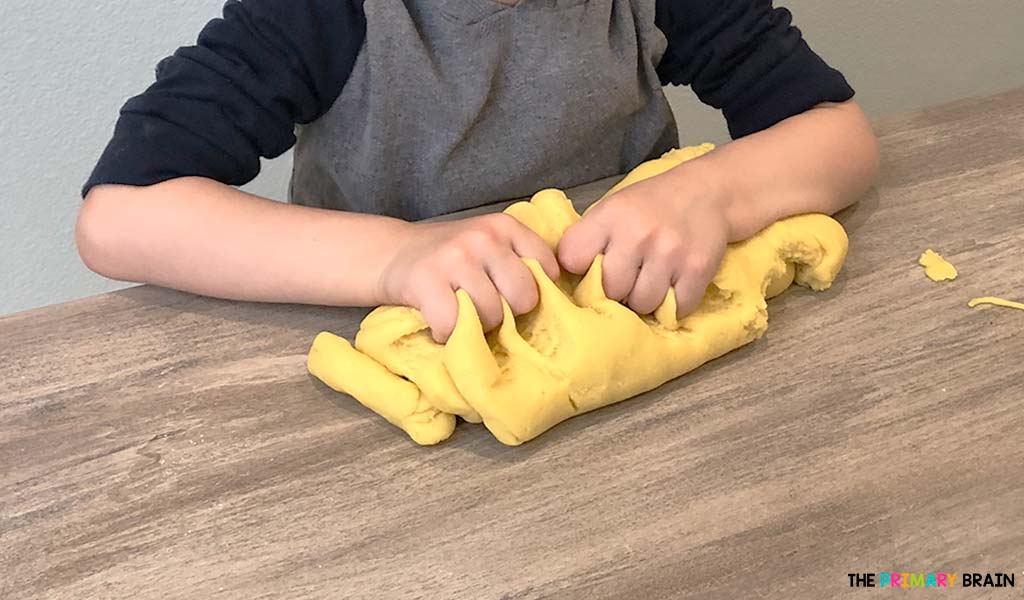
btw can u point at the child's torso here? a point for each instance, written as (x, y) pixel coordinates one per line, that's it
(457, 103)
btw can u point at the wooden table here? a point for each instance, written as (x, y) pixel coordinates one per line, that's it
(155, 444)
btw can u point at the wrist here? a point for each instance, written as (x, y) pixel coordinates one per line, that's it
(705, 179)
(727, 187)
(387, 253)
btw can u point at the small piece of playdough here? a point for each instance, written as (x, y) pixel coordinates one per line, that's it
(995, 301)
(577, 350)
(936, 267)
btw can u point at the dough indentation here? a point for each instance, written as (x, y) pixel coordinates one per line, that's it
(577, 350)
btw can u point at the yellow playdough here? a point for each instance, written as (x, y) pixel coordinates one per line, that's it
(996, 301)
(577, 350)
(936, 267)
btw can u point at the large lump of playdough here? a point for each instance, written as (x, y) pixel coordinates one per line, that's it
(577, 350)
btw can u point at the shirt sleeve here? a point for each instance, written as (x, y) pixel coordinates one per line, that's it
(218, 106)
(747, 59)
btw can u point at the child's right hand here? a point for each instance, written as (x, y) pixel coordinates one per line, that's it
(482, 255)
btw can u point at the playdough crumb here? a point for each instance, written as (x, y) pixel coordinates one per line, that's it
(936, 267)
(996, 301)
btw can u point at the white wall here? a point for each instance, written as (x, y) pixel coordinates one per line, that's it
(67, 68)
(898, 54)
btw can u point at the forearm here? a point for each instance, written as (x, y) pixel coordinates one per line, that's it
(822, 160)
(201, 236)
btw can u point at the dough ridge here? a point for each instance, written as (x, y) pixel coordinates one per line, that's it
(577, 350)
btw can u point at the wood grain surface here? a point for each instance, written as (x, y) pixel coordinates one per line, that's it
(155, 444)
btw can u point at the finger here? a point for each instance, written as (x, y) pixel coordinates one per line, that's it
(652, 284)
(699, 268)
(485, 297)
(514, 281)
(527, 244)
(436, 301)
(622, 261)
(579, 245)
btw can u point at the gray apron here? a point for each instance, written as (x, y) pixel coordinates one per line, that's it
(453, 104)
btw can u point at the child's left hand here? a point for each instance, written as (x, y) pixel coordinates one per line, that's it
(661, 232)
(671, 230)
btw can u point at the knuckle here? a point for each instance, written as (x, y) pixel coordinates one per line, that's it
(481, 238)
(471, 238)
(645, 228)
(500, 221)
(697, 264)
(668, 246)
(453, 254)
(624, 199)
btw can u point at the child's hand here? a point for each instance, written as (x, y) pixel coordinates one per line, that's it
(482, 255)
(654, 235)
